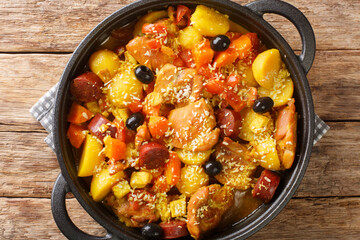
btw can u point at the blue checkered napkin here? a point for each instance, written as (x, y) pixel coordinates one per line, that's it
(43, 111)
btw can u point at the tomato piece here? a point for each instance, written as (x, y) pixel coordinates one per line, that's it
(234, 100)
(154, 28)
(173, 169)
(182, 11)
(174, 229)
(158, 126)
(76, 135)
(232, 80)
(254, 40)
(114, 148)
(202, 53)
(215, 86)
(135, 106)
(154, 43)
(187, 57)
(266, 185)
(79, 114)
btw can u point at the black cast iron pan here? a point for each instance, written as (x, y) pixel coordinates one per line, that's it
(249, 16)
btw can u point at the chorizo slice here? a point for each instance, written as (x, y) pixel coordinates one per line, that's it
(229, 122)
(86, 87)
(206, 208)
(174, 229)
(266, 185)
(153, 155)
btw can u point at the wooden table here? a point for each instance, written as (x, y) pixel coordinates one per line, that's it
(37, 39)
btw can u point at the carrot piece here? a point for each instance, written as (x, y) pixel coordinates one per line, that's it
(160, 185)
(173, 169)
(215, 86)
(202, 53)
(243, 46)
(79, 114)
(114, 148)
(76, 135)
(135, 106)
(225, 57)
(158, 126)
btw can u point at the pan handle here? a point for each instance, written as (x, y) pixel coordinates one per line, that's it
(299, 20)
(61, 216)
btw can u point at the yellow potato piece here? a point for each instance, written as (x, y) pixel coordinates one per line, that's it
(91, 156)
(245, 132)
(178, 208)
(209, 22)
(190, 157)
(266, 67)
(102, 183)
(148, 18)
(121, 189)
(124, 87)
(140, 179)
(269, 157)
(189, 36)
(105, 64)
(280, 95)
(192, 178)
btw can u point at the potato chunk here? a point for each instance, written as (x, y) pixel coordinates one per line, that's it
(178, 208)
(280, 95)
(91, 156)
(102, 183)
(268, 155)
(121, 189)
(124, 87)
(140, 179)
(189, 36)
(192, 178)
(190, 157)
(266, 67)
(209, 22)
(105, 64)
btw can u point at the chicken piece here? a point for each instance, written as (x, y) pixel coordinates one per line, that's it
(178, 86)
(206, 208)
(136, 209)
(193, 127)
(152, 58)
(286, 125)
(237, 164)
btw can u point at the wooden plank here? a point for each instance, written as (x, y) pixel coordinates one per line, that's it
(48, 26)
(23, 84)
(301, 219)
(29, 168)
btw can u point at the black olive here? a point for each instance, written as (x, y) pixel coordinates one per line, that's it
(263, 105)
(152, 231)
(220, 43)
(144, 74)
(213, 167)
(134, 121)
